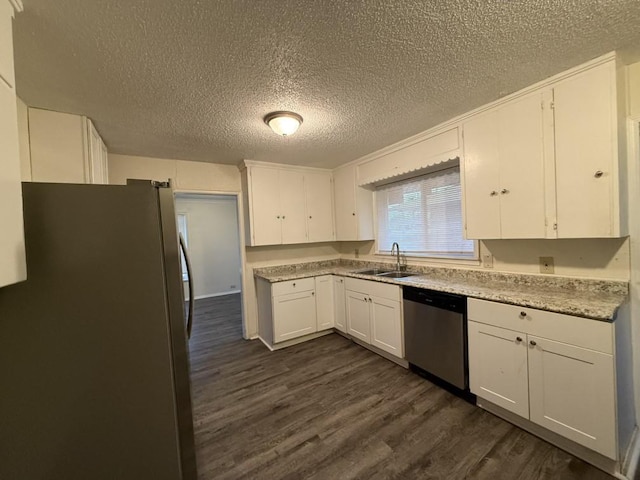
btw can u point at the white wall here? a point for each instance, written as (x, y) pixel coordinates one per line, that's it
(601, 258)
(213, 242)
(184, 174)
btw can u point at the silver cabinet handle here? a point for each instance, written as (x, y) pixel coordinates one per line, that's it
(493, 193)
(189, 283)
(504, 190)
(598, 174)
(518, 339)
(532, 343)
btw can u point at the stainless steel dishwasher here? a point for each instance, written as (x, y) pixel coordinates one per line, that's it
(435, 336)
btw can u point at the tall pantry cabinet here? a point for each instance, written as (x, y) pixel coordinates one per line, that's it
(13, 267)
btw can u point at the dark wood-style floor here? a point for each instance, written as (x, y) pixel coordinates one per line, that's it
(330, 409)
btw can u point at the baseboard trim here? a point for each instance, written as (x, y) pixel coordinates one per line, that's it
(400, 361)
(605, 464)
(210, 295)
(295, 341)
(632, 458)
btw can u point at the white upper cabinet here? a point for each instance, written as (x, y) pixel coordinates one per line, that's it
(12, 247)
(504, 171)
(286, 205)
(586, 150)
(545, 163)
(319, 204)
(353, 206)
(65, 148)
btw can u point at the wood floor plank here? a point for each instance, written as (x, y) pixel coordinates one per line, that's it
(330, 409)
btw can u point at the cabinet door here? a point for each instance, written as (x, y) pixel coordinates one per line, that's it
(294, 315)
(358, 324)
(291, 186)
(572, 393)
(325, 312)
(481, 177)
(498, 367)
(386, 325)
(12, 249)
(96, 169)
(339, 303)
(6, 44)
(319, 203)
(344, 185)
(522, 192)
(586, 143)
(266, 224)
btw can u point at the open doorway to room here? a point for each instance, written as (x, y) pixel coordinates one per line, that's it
(210, 226)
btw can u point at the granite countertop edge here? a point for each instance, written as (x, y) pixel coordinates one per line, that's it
(575, 302)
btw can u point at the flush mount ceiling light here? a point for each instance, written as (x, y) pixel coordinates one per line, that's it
(283, 123)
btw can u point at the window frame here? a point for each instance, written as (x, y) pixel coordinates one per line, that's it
(470, 259)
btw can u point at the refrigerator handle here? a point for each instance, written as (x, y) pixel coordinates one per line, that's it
(190, 283)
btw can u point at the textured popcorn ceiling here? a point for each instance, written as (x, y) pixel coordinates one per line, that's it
(192, 79)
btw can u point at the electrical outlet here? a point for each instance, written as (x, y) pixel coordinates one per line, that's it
(546, 265)
(487, 260)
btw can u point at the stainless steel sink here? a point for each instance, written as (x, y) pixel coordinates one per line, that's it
(373, 271)
(379, 272)
(396, 274)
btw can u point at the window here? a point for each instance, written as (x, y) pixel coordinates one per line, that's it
(424, 215)
(182, 229)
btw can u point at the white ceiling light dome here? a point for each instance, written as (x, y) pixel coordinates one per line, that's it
(283, 123)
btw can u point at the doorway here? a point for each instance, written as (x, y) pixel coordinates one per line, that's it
(210, 226)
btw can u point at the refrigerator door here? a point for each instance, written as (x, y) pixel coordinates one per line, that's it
(92, 361)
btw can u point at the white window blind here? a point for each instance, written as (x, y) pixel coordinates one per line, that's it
(424, 215)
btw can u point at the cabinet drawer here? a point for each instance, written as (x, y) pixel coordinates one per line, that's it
(582, 332)
(292, 286)
(378, 289)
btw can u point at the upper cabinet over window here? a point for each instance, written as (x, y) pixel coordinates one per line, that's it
(12, 247)
(286, 205)
(545, 164)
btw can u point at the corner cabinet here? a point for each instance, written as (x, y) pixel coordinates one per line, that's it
(555, 370)
(374, 314)
(66, 148)
(545, 164)
(13, 266)
(286, 205)
(354, 206)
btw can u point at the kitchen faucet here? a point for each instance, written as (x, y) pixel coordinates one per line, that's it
(397, 248)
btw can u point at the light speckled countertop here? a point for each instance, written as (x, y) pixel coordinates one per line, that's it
(595, 299)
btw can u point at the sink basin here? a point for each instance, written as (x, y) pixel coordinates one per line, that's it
(373, 271)
(396, 274)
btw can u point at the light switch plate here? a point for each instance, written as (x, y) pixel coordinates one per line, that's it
(487, 260)
(546, 265)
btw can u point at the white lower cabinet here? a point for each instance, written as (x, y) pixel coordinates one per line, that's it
(555, 370)
(498, 367)
(294, 315)
(374, 314)
(571, 391)
(339, 304)
(325, 312)
(286, 310)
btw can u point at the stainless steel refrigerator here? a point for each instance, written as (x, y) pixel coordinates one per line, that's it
(94, 373)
